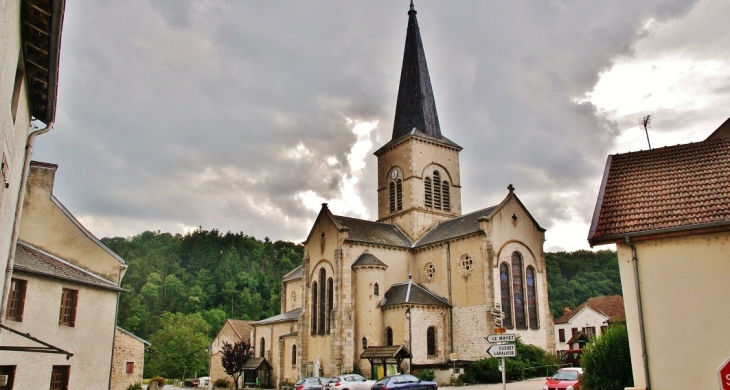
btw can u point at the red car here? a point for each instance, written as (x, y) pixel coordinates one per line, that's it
(564, 379)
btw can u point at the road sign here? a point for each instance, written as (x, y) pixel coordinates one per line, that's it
(501, 338)
(723, 373)
(500, 330)
(504, 350)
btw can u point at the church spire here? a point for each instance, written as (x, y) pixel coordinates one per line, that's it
(416, 107)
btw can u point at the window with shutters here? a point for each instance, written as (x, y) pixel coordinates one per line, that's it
(561, 335)
(69, 299)
(59, 377)
(428, 191)
(16, 300)
(445, 197)
(8, 371)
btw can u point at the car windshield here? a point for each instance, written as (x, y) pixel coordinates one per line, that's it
(299, 382)
(566, 376)
(383, 381)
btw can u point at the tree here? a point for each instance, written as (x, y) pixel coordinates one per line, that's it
(607, 361)
(180, 346)
(234, 357)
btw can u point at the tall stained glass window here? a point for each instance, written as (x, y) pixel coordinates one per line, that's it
(518, 291)
(531, 300)
(504, 286)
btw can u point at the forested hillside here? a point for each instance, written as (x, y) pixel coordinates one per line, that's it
(217, 275)
(233, 275)
(574, 277)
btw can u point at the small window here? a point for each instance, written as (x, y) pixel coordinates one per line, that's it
(262, 347)
(130, 368)
(466, 264)
(16, 300)
(10, 372)
(376, 290)
(431, 340)
(69, 299)
(561, 335)
(293, 355)
(388, 336)
(430, 270)
(59, 377)
(364, 343)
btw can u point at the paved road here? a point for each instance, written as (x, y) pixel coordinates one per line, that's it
(530, 384)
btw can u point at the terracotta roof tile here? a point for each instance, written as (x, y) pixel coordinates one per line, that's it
(671, 187)
(612, 306)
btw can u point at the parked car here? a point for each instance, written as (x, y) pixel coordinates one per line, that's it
(311, 383)
(565, 379)
(403, 382)
(203, 381)
(349, 382)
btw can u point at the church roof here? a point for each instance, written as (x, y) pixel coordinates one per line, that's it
(35, 261)
(452, 228)
(411, 293)
(283, 317)
(242, 328)
(374, 232)
(367, 259)
(416, 106)
(294, 274)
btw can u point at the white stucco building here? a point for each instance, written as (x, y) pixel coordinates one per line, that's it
(590, 318)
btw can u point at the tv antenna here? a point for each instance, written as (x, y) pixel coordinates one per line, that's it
(645, 122)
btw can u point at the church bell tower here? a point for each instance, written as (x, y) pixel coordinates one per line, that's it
(418, 169)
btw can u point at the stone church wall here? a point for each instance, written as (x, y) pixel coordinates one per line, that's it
(470, 328)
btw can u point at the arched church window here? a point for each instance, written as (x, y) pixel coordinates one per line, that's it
(531, 297)
(436, 190)
(427, 191)
(262, 347)
(364, 343)
(314, 307)
(293, 354)
(431, 340)
(330, 302)
(376, 290)
(322, 302)
(446, 198)
(504, 287)
(388, 336)
(518, 291)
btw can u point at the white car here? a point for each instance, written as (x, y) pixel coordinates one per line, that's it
(203, 381)
(349, 382)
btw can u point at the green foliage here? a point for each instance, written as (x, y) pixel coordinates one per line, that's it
(607, 361)
(221, 383)
(180, 345)
(218, 275)
(161, 382)
(426, 375)
(136, 386)
(574, 277)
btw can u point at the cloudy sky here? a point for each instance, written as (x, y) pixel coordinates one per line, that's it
(246, 116)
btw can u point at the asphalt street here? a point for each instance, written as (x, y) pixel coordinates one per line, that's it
(531, 384)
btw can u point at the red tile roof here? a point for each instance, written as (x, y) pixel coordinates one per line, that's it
(612, 306)
(679, 187)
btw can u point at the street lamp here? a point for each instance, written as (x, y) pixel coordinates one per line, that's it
(410, 344)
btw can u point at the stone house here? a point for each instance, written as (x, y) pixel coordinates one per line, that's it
(423, 276)
(667, 210)
(591, 317)
(127, 359)
(231, 332)
(64, 291)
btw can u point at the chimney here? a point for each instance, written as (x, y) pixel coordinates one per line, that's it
(566, 310)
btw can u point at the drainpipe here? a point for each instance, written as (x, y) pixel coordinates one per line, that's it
(642, 332)
(18, 212)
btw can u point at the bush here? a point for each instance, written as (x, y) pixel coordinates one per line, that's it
(426, 375)
(487, 370)
(136, 386)
(607, 361)
(161, 382)
(221, 383)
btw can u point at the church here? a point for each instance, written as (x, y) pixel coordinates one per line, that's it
(415, 289)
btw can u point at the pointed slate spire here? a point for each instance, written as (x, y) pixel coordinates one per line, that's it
(416, 107)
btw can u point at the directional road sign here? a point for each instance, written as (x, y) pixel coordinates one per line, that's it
(505, 350)
(501, 338)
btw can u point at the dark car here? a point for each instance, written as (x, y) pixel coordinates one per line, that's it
(311, 383)
(403, 382)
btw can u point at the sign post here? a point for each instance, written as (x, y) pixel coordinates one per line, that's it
(500, 338)
(723, 374)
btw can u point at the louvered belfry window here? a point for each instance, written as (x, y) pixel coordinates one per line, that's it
(399, 194)
(436, 190)
(391, 191)
(427, 190)
(445, 197)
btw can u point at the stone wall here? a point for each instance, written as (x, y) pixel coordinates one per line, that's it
(127, 349)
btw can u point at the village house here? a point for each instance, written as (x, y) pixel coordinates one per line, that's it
(231, 332)
(424, 277)
(587, 320)
(64, 292)
(128, 359)
(667, 210)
